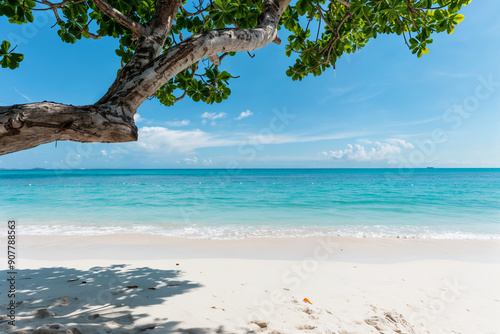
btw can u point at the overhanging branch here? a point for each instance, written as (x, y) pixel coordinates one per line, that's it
(194, 48)
(136, 28)
(29, 125)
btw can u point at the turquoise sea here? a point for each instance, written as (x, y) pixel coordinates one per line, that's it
(226, 204)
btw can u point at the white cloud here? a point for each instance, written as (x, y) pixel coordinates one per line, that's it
(138, 118)
(103, 152)
(213, 115)
(417, 122)
(196, 161)
(244, 114)
(119, 150)
(270, 138)
(160, 139)
(191, 161)
(374, 151)
(401, 142)
(184, 122)
(163, 140)
(456, 74)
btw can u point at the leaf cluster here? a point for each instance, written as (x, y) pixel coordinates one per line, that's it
(9, 59)
(340, 29)
(320, 32)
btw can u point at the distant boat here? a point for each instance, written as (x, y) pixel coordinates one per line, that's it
(430, 167)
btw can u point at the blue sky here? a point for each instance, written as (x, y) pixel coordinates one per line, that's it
(381, 107)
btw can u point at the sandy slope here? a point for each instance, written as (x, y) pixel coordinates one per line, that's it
(146, 284)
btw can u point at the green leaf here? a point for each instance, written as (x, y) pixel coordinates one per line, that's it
(5, 46)
(457, 18)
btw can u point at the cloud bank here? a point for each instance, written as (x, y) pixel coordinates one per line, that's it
(388, 150)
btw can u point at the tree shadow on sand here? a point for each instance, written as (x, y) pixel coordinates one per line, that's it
(100, 300)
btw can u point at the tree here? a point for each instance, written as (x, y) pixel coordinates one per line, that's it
(157, 60)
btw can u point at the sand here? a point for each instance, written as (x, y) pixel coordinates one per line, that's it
(153, 284)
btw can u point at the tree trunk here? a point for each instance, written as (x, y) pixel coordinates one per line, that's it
(29, 125)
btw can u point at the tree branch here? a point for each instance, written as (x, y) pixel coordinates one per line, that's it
(177, 99)
(149, 46)
(135, 89)
(214, 59)
(136, 28)
(164, 16)
(345, 3)
(29, 125)
(198, 12)
(51, 5)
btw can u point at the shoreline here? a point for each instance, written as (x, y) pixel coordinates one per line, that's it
(239, 232)
(155, 284)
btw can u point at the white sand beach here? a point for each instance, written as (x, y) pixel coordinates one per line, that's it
(152, 284)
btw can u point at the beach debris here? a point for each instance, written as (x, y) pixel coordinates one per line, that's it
(215, 308)
(84, 282)
(73, 280)
(152, 288)
(261, 324)
(176, 264)
(131, 286)
(307, 301)
(93, 316)
(308, 311)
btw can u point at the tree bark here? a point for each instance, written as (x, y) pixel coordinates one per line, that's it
(28, 125)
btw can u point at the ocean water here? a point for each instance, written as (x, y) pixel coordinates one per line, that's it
(232, 204)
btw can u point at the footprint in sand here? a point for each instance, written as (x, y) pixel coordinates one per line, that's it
(306, 328)
(64, 301)
(390, 322)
